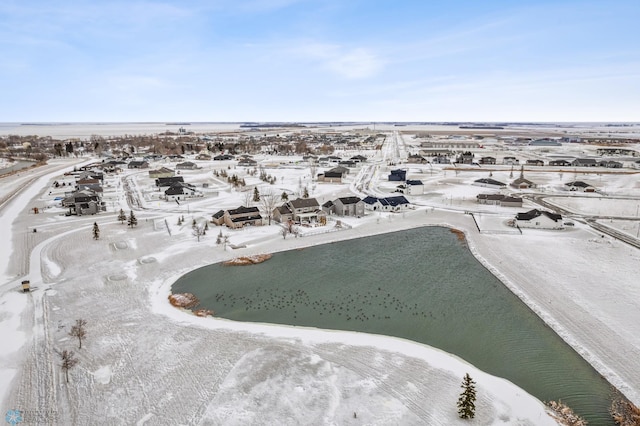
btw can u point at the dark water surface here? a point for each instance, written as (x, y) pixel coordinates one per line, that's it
(421, 284)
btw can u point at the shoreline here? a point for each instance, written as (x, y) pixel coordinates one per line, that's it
(469, 242)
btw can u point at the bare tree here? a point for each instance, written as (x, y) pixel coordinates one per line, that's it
(313, 168)
(248, 198)
(79, 331)
(68, 362)
(268, 202)
(199, 229)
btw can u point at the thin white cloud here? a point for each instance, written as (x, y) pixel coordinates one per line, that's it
(350, 63)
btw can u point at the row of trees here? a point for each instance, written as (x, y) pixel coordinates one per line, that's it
(132, 221)
(68, 359)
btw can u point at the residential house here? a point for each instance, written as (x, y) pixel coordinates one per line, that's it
(180, 191)
(491, 199)
(282, 214)
(535, 163)
(578, 185)
(465, 158)
(247, 162)
(440, 159)
(242, 216)
(330, 177)
(87, 183)
(358, 159)
(561, 163)
(223, 157)
(329, 207)
(511, 202)
(539, 219)
(610, 164)
(83, 202)
(521, 182)
(348, 163)
(306, 209)
(187, 165)
(218, 218)
(349, 206)
(398, 175)
(487, 160)
(499, 200)
(489, 183)
(584, 162)
(340, 169)
(168, 181)
(162, 172)
(203, 156)
(416, 159)
(510, 161)
(387, 204)
(545, 142)
(136, 164)
(414, 187)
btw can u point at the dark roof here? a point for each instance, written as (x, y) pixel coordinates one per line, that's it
(244, 210)
(511, 200)
(490, 181)
(349, 200)
(396, 201)
(167, 181)
(284, 209)
(521, 180)
(584, 161)
(490, 197)
(414, 182)
(328, 204)
(338, 169)
(559, 162)
(246, 218)
(174, 190)
(532, 214)
(370, 200)
(299, 203)
(186, 164)
(331, 174)
(578, 183)
(218, 214)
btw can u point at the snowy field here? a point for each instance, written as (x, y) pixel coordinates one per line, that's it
(146, 362)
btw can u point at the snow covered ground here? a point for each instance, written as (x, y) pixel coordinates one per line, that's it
(146, 362)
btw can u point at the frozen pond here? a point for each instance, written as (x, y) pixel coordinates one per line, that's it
(423, 285)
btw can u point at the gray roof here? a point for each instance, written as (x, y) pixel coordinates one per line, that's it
(300, 203)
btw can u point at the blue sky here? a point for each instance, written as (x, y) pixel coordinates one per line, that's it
(308, 60)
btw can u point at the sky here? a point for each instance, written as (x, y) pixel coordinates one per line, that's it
(319, 60)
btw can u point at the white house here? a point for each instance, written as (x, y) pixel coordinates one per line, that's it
(539, 219)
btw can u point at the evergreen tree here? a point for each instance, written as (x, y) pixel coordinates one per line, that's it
(256, 195)
(467, 400)
(96, 231)
(284, 196)
(121, 216)
(305, 194)
(133, 221)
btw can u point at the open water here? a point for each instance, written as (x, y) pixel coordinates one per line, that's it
(423, 285)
